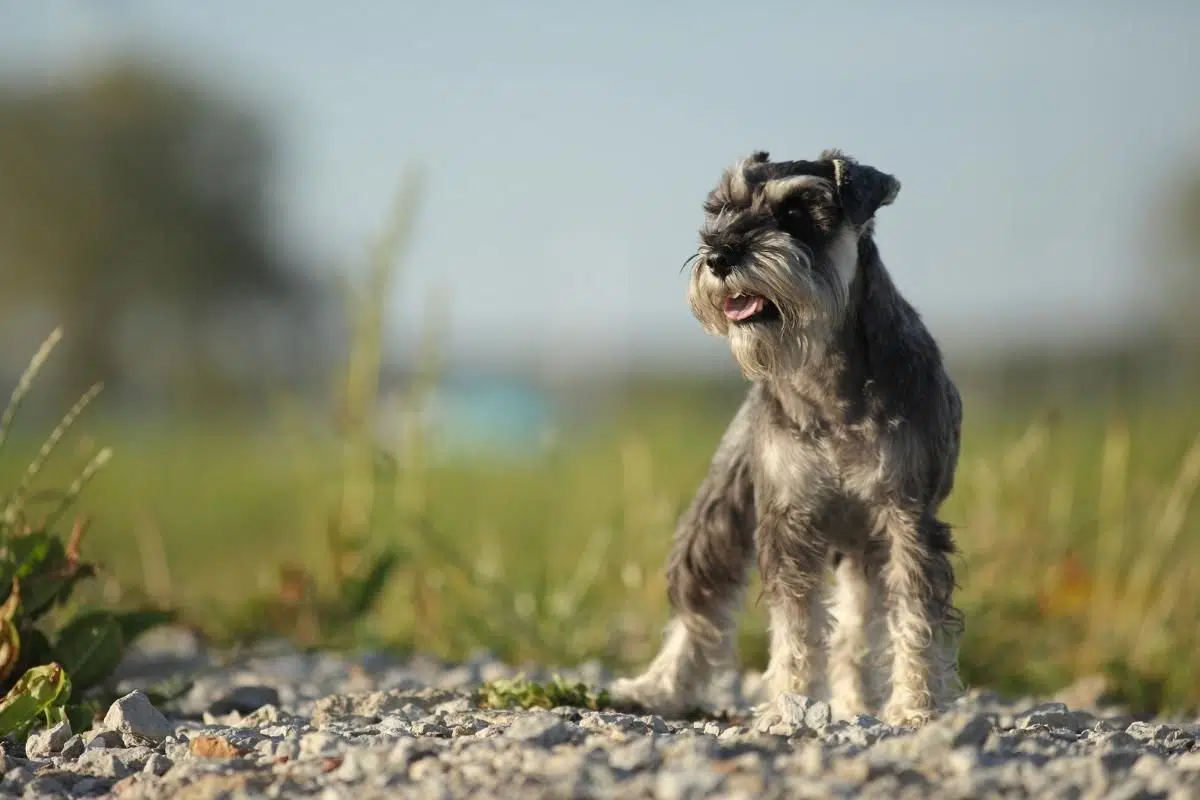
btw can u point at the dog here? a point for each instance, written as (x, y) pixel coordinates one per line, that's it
(840, 456)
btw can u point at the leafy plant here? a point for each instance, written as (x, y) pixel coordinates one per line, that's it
(522, 693)
(41, 691)
(46, 664)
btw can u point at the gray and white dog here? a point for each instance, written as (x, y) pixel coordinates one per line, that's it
(840, 455)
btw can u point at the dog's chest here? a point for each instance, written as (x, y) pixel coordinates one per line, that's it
(821, 468)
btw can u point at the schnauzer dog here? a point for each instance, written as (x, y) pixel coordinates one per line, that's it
(841, 455)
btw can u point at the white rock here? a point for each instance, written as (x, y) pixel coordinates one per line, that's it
(1055, 715)
(157, 765)
(102, 739)
(818, 715)
(134, 713)
(48, 741)
(73, 747)
(540, 728)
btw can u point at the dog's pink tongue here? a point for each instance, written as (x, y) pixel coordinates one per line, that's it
(742, 307)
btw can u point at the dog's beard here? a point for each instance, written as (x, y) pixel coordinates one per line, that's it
(804, 303)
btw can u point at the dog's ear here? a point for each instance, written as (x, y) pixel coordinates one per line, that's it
(862, 190)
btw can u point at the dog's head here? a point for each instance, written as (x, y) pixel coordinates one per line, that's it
(779, 253)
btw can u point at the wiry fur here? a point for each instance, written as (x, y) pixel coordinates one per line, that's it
(842, 452)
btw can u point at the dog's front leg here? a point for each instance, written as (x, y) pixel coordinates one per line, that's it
(791, 561)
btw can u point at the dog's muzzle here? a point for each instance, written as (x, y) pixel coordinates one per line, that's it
(738, 307)
(721, 262)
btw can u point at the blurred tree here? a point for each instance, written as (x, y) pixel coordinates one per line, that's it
(1182, 255)
(1190, 217)
(133, 210)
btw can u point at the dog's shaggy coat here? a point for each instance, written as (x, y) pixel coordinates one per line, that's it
(841, 454)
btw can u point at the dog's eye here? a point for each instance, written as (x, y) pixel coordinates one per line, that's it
(796, 219)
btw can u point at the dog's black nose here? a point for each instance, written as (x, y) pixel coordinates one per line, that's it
(719, 263)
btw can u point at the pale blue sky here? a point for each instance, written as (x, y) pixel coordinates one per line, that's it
(568, 145)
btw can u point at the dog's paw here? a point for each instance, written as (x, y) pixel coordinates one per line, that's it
(899, 716)
(651, 693)
(766, 716)
(787, 710)
(849, 708)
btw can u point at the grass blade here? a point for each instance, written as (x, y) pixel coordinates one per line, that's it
(26, 382)
(51, 443)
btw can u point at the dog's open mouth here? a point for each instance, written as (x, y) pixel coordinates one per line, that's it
(748, 308)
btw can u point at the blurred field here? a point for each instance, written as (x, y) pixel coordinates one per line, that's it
(1079, 536)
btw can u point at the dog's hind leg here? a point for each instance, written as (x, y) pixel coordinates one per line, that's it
(922, 621)
(706, 577)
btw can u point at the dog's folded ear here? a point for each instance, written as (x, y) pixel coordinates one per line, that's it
(863, 190)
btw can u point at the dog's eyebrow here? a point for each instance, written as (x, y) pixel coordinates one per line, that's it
(779, 188)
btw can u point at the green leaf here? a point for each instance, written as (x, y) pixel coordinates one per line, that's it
(81, 715)
(38, 690)
(361, 594)
(54, 714)
(26, 553)
(35, 647)
(45, 590)
(135, 623)
(90, 648)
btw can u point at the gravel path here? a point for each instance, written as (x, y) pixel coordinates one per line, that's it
(283, 724)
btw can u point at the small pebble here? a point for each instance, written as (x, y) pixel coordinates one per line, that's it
(102, 739)
(44, 743)
(157, 764)
(73, 747)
